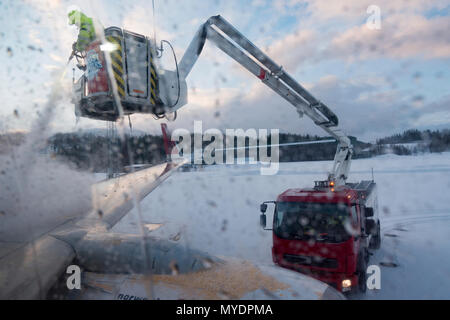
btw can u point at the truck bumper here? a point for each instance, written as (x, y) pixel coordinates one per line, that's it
(333, 279)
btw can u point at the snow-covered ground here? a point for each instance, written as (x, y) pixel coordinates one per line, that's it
(217, 210)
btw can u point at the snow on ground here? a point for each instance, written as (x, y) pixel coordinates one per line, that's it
(419, 248)
(217, 210)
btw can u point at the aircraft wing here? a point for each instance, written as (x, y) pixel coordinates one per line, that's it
(29, 266)
(114, 198)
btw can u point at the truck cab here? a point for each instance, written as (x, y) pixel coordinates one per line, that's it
(326, 232)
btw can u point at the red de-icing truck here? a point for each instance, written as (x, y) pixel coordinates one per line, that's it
(326, 232)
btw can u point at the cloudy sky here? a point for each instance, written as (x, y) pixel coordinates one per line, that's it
(378, 82)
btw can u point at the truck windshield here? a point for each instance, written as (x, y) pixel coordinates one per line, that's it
(324, 222)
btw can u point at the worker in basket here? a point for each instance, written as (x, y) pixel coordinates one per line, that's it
(86, 34)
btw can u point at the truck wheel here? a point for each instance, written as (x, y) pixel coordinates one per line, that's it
(362, 276)
(366, 256)
(375, 242)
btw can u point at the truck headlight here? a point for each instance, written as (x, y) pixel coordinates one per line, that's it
(346, 283)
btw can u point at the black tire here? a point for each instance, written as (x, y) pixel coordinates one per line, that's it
(362, 276)
(366, 257)
(375, 242)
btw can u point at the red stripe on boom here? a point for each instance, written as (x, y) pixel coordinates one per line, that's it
(262, 74)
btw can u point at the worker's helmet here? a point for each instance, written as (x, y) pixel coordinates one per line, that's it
(74, 17)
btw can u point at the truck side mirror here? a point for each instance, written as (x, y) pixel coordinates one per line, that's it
(263, 207)
(368, 211)
(262, 220)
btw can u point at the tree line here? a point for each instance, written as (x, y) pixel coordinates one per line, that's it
(98, 152)
(420, 141)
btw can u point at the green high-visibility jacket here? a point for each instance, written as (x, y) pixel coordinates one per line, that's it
(87, 32)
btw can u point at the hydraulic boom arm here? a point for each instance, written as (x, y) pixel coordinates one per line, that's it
(237, 46)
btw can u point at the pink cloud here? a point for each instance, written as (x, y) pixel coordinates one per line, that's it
(401, 36)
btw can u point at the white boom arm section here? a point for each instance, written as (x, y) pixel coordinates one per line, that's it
(237, 46)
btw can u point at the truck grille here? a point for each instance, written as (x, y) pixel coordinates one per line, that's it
(311, 261)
